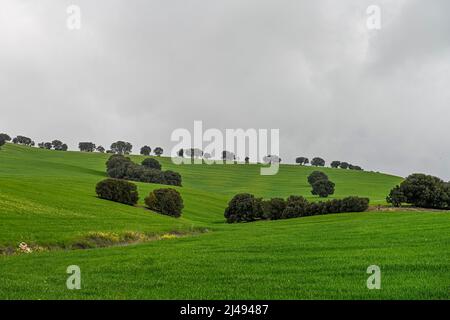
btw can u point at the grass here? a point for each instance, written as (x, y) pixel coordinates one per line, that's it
(47, 198)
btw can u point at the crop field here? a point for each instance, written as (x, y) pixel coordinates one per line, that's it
(48, 200)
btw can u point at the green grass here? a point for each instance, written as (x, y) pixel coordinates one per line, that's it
(47, 198)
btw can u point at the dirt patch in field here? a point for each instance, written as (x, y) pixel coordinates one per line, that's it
(98, 239)
(403, 209)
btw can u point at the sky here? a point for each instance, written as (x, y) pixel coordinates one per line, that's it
(138, 70)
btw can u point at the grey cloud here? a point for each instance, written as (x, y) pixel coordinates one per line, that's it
(139, 69)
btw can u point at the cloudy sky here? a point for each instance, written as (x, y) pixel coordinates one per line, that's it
(137, 70)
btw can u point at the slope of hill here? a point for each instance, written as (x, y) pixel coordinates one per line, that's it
(47, 198)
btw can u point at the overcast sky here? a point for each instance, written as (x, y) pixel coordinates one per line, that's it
(137, 70)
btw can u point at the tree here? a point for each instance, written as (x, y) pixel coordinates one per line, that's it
(5, 137)
(316, 176)
(48, 145)
(244, 207)
(302, 160)
(193, 153)
(335, 164)
(228, 155)
(64, 147)
(247, 160)
(344, 165)
(121, 147)
(323, 188)
(57, 145)
(272, 159)
(166, 201)
(146, 150)
(158, 151)
(2, 141)
(86, 146)
(180, 153)
(318, 162)
(151, 163)
(396, 197)
(423, 191)
(100, 149)
(117, 190)
(22, 140)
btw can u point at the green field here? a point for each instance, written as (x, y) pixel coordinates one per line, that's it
(47, 199)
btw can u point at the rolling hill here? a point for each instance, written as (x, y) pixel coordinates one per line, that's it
(47, 199)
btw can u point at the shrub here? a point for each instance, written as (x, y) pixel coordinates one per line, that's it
(244, 207)
(323, 188)
(172, 178)
(166, 201)
(273, 208)
(316, 176)
(151, 163)
(354, 204)
(296, 206)
(118, 191)
(2, 141)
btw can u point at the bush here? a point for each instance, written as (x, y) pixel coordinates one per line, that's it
(172, 178)
(118, 191)
(166, 201)
(316, 176)
(244, 207)
(354, 204)
(151, 163)
(296, 206)
(273, 208)
(323, 188)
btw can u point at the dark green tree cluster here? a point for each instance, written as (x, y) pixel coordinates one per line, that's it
(344, 165)
(321, 185)
(423, 191)
(23, 141)
(246, 207)
(318, 162)
(166, 201)
(55, 144)
(4, 138)
(121, 147)
(302, 161)
(121, 167)
(86, 146)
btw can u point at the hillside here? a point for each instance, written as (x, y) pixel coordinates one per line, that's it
(47, 198)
